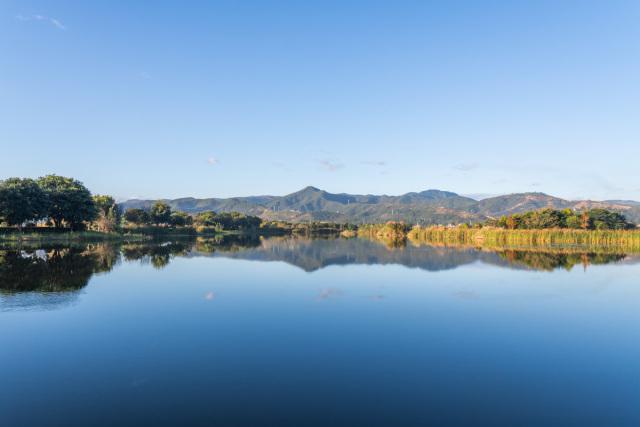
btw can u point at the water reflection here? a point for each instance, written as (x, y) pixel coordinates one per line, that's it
(53, 269)
(158, 254)
(49, 270)
(489, 336)
(314, 254)
(549, 261)
(52, 275)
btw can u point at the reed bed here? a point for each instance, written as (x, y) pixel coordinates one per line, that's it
(627, 240)
(390, 230)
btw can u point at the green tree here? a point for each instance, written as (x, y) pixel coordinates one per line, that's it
(573, 221)
(22, 200)
(137, 216)
(207, 219)
(603, 219)
(70, 201)
(181, 219)
(108, 213)
(547, 218)
(160, 213)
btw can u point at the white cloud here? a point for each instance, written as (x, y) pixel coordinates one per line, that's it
(212, 161)
(53, 21)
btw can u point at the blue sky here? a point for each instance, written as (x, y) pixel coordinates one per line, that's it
(170, 99)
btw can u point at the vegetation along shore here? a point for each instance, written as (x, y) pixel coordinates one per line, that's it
(62, 209)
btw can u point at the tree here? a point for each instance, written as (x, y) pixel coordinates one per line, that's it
(22, 200)
(108, 213)
(599, 219)
(227, 220)
(548, 218)
(585, 221)
(181, 219)
(137, 216)
(573, 221)
(207, 219)
(160, 213)
(603, 219)
(513, 222)
(69, 201)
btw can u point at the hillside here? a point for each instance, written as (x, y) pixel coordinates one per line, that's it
(425, 207)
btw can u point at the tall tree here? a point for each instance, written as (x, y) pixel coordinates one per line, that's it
(70, 201)
(22, 200)
(108, 213)
(585, 221)
(181, 219)
(160, 213)
(136, 216)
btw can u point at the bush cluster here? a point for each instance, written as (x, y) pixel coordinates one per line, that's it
(593, 219)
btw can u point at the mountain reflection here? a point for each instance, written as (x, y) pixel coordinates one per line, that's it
(314, 254)
(45, 271)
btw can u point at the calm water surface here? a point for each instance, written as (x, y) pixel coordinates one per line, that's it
(294, 332)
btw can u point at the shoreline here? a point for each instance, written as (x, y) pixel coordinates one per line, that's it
(394, 235)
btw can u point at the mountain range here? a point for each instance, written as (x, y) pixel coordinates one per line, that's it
(425, 207)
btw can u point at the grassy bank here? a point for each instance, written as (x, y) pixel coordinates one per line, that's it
(52, 235)
(66, 237)
(627, 240)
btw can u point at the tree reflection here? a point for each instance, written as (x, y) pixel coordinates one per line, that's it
(54, 269)
(158, 254)
(229, 243)
(549, 261)
(65, 269)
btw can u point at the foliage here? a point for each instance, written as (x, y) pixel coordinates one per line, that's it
(207, 219)
(70, 201)
(160, 213)
(594, 219)
(22, 200)
(227, 221)
(602, 219)
(392, 233)
(137, 216)
(108, 214)
(181, 219)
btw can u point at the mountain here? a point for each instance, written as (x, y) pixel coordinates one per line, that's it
(623, 202)
(425, 207)
(522, 202)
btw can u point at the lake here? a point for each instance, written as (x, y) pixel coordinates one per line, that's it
(247, 331)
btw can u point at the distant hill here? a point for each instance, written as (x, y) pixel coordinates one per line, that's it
(521, 202)
(623, 202)
(425, 207)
